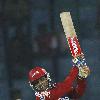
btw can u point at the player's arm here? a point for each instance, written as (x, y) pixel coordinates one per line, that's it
(84, 71)
(64, 87)
(78, 91)
(81, 86)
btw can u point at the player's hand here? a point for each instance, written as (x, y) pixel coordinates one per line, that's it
(84, 72)
(79, 61)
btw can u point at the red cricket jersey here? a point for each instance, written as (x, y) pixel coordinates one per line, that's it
(65, 88)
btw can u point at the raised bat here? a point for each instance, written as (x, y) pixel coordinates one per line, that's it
(72, 38)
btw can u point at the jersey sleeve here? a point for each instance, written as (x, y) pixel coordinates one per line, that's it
(78, 91)
(37, 98)
(64, 87)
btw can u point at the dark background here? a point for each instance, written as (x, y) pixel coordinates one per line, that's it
(31, 35)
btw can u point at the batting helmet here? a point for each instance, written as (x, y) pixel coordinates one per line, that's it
(36, 73)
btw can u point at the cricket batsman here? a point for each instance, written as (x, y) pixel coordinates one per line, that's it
(40, 82)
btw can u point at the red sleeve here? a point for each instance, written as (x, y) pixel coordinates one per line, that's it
(79, 90)
(81, 86)
(37, 98)
(64, 87)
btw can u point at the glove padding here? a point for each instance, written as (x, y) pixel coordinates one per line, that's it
(84, 72)
(79, 61)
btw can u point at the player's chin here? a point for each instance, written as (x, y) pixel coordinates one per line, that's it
(42, 88)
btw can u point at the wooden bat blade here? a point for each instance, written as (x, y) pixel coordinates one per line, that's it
(70, 33)
(67, 24)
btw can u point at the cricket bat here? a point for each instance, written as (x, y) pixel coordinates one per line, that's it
(71, 36)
